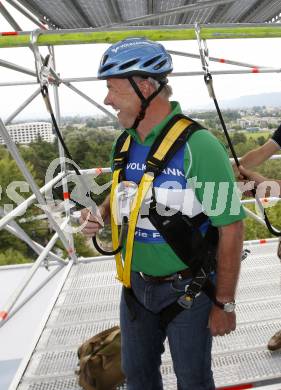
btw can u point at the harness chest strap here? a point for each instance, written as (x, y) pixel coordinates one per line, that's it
(113, 207)
(114, 226)
(153, 167)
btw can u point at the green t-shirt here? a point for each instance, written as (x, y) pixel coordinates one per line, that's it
(208, 171)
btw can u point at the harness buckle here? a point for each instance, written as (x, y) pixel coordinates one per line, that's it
(153, 169)
(186, 301)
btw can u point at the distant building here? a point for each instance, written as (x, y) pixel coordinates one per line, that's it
(24, 133)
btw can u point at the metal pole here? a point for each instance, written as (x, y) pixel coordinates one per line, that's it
(254, 216)
(263, 200)
(4, 313)
(16, 83)
(83, 95)
(95, 171)
(33, 244)
(171, 33)
(26, 14)
(175, 74)
(22, 206)
(254, 70)
(261, 242)
(17, 231)
(31, 295)
(22, 106)
(61, 152)
(9, 17)
(17, 68)
(222, 72)
(78, 79)
(274, 157)
(149, 28)
(21, 164)
(215, 59)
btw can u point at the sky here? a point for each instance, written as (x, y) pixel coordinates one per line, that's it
(191, 92)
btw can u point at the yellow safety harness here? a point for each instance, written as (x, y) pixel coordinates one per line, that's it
(154, 166)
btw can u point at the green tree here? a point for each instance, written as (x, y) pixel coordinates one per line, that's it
(261, 140)
(238, 138)
(12, 194)
(255, 230)
(40, 154)
(12, 256)
(82, 246)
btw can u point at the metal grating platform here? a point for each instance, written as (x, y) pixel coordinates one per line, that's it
(89, 304)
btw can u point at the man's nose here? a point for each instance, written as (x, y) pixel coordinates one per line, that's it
(107, 100)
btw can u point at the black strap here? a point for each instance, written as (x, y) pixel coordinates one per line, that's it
(201, 281)
(130, 299)
(170, 312)
(199, 259)
(120, 158)
(157, 166)
(144, 101)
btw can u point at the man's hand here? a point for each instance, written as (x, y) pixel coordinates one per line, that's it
(252, 176)
(221, 322)
(92, 223)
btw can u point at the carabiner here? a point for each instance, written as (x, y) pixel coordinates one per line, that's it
(44, 66)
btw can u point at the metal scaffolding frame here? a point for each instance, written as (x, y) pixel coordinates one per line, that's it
(7, 220)
(45, 37)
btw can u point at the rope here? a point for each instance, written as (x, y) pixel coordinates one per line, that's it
(204, 56)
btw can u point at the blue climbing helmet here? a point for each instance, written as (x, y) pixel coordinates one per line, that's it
(135, 57)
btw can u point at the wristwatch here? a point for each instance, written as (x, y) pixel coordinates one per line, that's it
(228, 307)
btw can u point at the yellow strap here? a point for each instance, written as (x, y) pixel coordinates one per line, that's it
(126, 144)
(114, 225)
(113, 208)
(144, 186)
(124, 273)
(170, 138)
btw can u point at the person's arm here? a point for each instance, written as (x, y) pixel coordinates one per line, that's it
(252, 176)
(210, 164)
(258, 179)
(258, 156)
(228, 267)
(91, 223)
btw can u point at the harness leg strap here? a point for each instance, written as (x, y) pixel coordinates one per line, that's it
(130, 299)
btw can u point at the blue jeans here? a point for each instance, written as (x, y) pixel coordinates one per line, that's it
(142, 338)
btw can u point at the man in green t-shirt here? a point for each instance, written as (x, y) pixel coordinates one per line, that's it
(198, 178)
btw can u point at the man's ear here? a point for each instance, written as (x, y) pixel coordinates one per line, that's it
(146, 88)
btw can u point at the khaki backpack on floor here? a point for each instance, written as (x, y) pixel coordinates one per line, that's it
(100, 361)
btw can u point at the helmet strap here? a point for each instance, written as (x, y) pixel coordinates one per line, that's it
(144, 102)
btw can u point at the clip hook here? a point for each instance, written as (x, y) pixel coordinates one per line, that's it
(43, 65)
(204, 56)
